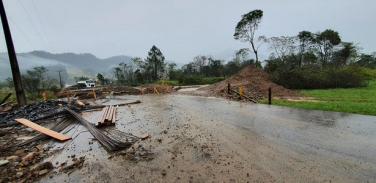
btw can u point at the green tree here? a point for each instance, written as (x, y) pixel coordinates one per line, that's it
(9, 82)
(100, 78)
(156, 60)
(124, 73)
(365, 60)
(284, 48)
(325, 42)
(246, 28)
(172, 72)
(199, 63)
(305, 40)
(347, 53)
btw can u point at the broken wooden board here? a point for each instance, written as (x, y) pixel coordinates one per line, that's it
(81, 104)
(144, 137)
(42, 129)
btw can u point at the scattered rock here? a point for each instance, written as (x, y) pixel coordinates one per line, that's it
(4, 173)
(3, 162)
(14, 158)
(19, 152)
(24, 163)
(163, 172)
(44, 165)
(43, 172)
(19, 174)
(30, 156)
(39, 147)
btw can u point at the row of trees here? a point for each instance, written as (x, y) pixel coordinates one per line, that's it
(148, 70)
(153, 68)
(307, 60)
(35, 82)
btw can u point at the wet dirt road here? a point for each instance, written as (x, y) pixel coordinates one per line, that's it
(199, 139)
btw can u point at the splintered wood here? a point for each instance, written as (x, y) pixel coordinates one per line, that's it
(108, 116)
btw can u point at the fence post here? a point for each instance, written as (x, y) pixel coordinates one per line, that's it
(270, 95)
(241, 91)
(44, 96)
(95, 95)
(228, 89)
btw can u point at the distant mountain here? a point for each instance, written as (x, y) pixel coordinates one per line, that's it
(72, 64)
(84, 61)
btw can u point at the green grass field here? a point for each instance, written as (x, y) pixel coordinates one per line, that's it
(352, 100)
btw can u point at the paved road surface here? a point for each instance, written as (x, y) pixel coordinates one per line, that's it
(199, 139)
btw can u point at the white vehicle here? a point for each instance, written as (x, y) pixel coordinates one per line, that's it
(87, 83)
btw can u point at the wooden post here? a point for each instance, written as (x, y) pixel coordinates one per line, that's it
(155, 90)
(270, 95)
(228, 89)
(241, 91)
(68, 95)
(44, 96)
(141, 90)
(95, 95)
(20, 92)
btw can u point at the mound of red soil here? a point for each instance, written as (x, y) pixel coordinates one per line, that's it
(255, 84)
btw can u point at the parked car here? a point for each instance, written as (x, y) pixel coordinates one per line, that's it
(86, 84)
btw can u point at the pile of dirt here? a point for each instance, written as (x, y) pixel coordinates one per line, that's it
(255, 84)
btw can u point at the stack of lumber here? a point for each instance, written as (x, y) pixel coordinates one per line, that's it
(108, 116)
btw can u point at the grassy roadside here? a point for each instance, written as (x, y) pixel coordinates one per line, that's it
(352, 100)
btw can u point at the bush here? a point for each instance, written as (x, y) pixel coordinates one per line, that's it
(191, 80)
(321, 78)
(54, 89)
(212, 80)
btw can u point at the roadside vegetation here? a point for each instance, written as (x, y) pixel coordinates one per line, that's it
(351, 100)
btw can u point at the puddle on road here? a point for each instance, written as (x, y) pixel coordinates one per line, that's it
(293, 128)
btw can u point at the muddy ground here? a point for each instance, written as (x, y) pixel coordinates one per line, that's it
(204, 139)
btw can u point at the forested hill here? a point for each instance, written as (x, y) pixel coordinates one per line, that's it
(85, 63)
(85, 60)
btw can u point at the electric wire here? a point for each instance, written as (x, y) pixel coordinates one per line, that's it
(44, 30)
(32, 24)
(22, 32)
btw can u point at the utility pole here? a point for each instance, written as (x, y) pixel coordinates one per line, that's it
(21, 99)
(61, 84)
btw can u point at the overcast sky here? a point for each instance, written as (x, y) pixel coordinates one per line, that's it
(181, 29)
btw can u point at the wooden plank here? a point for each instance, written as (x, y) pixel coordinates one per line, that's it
(102, 116)
(114, 116)
(42, 129)
(109, 115)
(105, 114)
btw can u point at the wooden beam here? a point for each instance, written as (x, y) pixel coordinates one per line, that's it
(42, 129)
(114, 116)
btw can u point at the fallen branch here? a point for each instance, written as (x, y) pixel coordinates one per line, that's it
(6, 98)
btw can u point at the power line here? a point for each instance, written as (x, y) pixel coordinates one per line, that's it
(48, 39)
(22, 32)
(33, 24)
